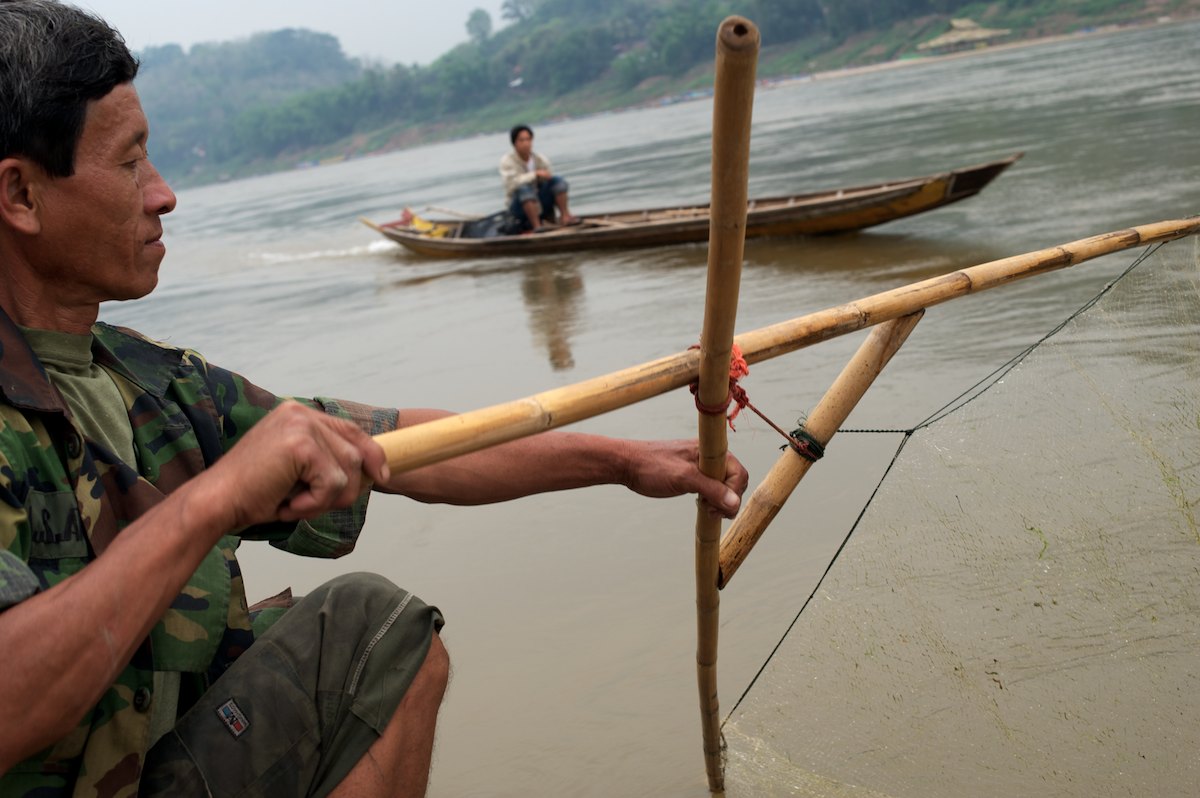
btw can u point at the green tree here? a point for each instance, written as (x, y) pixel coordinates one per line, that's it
(632, 67)
(516, 10)
(566, 58)
(479, 26)
(464, 78)
(786, 20)
(684, 35)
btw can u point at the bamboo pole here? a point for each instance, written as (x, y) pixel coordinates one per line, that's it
(842, 397)
(733, 100)
(434, 441)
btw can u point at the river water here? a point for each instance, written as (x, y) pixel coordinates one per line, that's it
(571, 616)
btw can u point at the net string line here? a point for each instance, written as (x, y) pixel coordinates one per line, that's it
(954, 405)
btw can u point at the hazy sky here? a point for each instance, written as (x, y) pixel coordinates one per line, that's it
(396, 31)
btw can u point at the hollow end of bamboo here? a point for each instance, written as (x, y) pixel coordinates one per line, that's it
(738, 37)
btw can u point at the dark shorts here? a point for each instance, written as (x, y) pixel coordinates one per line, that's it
(301, 706)
(544, 193)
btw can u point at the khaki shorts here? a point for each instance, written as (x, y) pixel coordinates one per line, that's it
(301, 706)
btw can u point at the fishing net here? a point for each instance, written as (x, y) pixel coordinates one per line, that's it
(1018, 610)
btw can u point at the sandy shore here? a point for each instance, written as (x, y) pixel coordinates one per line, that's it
(993, 48)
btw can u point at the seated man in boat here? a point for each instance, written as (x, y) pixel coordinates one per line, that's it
(131, 470)
(532, 192)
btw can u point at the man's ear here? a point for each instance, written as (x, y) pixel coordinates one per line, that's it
(20, 180)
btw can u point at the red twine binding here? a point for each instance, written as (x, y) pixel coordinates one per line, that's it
(737, 394)
(803, 444)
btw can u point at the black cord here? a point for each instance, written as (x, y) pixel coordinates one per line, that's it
(953, 406)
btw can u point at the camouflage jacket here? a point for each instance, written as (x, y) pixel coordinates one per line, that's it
(63, 499)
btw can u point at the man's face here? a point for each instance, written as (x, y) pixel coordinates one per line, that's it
(101, 233)
(524, 144)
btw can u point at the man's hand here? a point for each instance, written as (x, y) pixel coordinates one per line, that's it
(295, 463)
(669, 468)
(298, 463)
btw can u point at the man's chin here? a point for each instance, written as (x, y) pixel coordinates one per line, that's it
(138, 290)
(147, 290)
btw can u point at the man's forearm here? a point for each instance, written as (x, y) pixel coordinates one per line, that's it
(541, 463)
(552, 461)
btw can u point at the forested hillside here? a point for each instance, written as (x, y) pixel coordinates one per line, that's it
(237, 108)
(195, 99)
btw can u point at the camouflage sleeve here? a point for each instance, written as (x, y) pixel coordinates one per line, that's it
(373, 420)
(17, 580)
(335, 533)
(240, 404)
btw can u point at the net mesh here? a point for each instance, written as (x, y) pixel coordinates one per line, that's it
(1018, 610)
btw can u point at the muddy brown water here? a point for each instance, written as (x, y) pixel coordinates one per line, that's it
(570, 616)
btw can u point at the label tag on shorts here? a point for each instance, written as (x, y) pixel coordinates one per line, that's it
(233, 718)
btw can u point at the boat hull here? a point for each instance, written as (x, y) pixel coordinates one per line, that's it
(823, 213)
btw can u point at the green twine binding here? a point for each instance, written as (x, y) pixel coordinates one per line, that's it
(805, 445)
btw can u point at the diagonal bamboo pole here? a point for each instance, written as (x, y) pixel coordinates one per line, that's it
(434, 441)
(733, 99)
(847, 390)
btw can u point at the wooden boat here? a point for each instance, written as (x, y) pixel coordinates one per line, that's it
(837, 211)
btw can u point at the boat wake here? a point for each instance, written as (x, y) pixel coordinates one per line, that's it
(279, 258)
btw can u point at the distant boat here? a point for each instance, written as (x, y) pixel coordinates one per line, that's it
(837, 211)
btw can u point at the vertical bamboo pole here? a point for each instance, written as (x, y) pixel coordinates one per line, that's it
(829, 414)
(733, 99)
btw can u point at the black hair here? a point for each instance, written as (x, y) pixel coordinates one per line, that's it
(516, 131)
(54, 60)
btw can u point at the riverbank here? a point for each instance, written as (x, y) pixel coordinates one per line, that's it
(778, 66)
(986, 49)
(772, 80)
